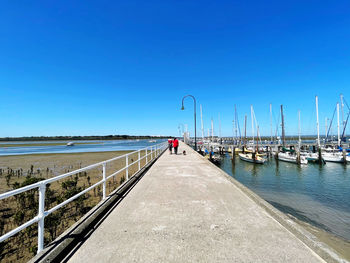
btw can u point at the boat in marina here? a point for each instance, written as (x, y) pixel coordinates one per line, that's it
(70, 144)
(311, 157)
(248, 157)
(252, 156)
(291, 158)
(289, 155)
(335, 157)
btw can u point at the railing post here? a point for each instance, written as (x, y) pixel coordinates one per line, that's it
(41, 225)
(139, 160)
(146, 157)
(104, 180)
(151, 153)
(127, 168)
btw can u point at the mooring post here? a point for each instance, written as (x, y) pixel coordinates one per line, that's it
(298, 157)
(271, 152)
(277, 152)
(233, 151)
(319, 155)
(344, 156)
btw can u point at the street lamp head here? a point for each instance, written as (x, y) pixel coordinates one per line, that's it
(182, 108)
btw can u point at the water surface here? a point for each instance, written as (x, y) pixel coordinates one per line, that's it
(319, 195)
(92, 146)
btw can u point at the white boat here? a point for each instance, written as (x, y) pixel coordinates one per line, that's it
(311, 157)
(152, 141)
(287, 157)
(248, 157)
(70, 144)
(336, 157)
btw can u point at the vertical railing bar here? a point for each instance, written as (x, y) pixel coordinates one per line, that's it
(104, 180)
(146, 156)
(139, 160)
(127, 167)
(41, 216)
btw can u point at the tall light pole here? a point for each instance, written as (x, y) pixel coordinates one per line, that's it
(195, 125)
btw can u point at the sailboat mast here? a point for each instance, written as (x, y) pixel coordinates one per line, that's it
(245, 130)
(283, 135)
(251, 113)
(257, 139)
(219, 127)
(338, 124)
(271, 120)
(342, 110)
(202, 123)
(212, 130)
(236, 121)
(317, 123)
(299, 130)
(326, 128)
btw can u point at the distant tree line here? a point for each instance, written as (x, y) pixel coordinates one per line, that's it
(77, 138)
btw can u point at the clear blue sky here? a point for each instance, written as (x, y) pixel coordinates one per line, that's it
(122, 67)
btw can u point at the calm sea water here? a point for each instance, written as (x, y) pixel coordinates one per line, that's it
(93, 146)
(319, 195)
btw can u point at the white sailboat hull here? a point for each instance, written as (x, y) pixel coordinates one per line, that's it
(285, 157)
(248, 158)
(334, 157)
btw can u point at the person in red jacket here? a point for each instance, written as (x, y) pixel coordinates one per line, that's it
(175, 145)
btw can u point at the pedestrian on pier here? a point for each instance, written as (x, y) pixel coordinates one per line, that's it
(170, 145)
(175, 145)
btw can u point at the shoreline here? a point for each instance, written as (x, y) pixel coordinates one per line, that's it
(43, 144)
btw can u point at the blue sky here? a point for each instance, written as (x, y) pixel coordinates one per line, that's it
(122, 67)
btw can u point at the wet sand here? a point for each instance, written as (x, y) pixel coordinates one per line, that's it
(56, 163)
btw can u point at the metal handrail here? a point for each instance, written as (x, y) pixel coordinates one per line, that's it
(154, 152)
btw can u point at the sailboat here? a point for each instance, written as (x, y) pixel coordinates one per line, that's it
(335, 156)
(252, 157)
(289, 155)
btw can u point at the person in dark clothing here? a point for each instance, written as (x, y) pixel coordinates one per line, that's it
(175, 145)
(170, 145)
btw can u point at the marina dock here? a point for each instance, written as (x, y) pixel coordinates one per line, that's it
(185, 209)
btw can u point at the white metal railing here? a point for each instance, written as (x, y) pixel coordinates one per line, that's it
(152, 151)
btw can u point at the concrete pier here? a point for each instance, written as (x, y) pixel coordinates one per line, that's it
(187, 210)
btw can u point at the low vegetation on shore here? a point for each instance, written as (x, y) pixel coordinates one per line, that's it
(19, 171)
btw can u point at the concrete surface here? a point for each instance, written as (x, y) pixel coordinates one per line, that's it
(185, 210)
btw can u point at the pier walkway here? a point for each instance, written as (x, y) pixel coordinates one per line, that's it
(186, 210)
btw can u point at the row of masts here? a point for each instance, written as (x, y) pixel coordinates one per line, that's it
(236, 127)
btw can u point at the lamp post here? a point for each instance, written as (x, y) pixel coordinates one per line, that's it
(195, 125)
